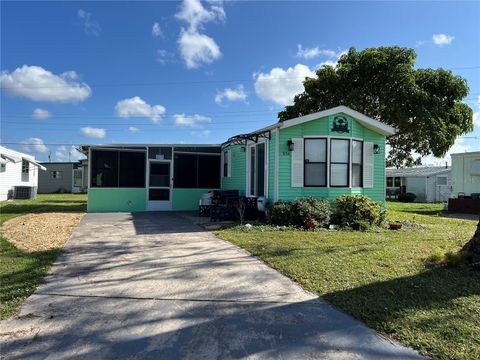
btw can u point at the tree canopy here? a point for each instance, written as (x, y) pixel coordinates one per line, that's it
(425, 105)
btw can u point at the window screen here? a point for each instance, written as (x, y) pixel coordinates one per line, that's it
(225, 164)
(315, 167)
(339, 161)
(261, 169)
(132, 169)
(441, 180)
(389, 181)
(196, 171)
(159, 194)
(160, 174)
(398, 182)
(104, 168)
(25, 166)
(160, 153)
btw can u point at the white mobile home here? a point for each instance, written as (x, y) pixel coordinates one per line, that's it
(18, 174)
(466, 174)
(428, 183)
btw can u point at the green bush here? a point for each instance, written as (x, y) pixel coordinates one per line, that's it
(357, 212)
(280, 213)
(407, 197)
(300, 213)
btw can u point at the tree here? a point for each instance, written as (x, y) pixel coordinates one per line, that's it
(472, 249)
(425, 105)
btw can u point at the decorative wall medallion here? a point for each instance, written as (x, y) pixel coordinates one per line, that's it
(340, 124)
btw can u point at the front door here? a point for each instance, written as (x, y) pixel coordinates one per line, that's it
(256, 170)
(77, 180)
(159, 185)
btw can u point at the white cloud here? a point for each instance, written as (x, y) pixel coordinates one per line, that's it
(68, 154)
(442, 39)
(200, 133)
(38, 84)
(190, 120)
(237, 94)
(41, 114)
(476, 118)
(156, 30)
(133, 129)
(90, 26)
(91, 132)
(137, 107)
(193, 13)
(197, 48)
(34, 145)
(164, 56)
(279, 85)
(309, 53)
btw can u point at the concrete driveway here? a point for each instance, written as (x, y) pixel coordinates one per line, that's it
(155, 286)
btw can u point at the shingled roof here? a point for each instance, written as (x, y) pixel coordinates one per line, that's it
(418, 171)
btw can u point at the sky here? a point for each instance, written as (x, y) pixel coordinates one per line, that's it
(199, 72)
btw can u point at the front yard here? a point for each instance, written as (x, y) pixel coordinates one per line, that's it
(380, 276)
(21, 270)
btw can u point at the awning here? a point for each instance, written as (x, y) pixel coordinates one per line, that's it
(34, 163)
(11, 158)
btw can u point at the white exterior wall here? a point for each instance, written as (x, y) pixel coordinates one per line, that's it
(463, 180)
(12, 176)
(427, 189)
(416, 185)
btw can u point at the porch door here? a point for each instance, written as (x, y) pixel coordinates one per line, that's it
(443, 188)
(159, 185)
(256, 167)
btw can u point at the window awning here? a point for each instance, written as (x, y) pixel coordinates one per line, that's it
(34, 163)
(11, 158)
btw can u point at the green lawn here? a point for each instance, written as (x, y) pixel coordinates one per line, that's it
(380, 276)
(21, 271)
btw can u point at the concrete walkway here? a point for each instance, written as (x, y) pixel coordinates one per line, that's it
(155, 286)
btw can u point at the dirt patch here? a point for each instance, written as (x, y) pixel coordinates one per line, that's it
(36, 232)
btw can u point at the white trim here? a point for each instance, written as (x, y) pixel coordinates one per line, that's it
(368, 122)
(277, 161)
(34, 163)
(13, 159)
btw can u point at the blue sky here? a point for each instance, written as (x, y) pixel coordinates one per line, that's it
(170, 72)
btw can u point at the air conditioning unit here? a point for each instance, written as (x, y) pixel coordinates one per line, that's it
(24, 192)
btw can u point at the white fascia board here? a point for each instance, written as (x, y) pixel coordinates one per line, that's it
(368, 122)
(13, 159)
(34, 163)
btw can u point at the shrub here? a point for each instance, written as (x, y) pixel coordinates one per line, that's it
(311, 212)
(357, 212)
(307, 213)
(407, 197)
(280, 213)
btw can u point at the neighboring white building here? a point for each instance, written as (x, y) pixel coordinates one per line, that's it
(17, 169)
(429, 184)
(466, 173)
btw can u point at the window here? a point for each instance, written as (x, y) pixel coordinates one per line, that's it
(257, 170)
(56, 175)
(196, 171)
(475, 167)
(160, 174)
(357, 162)
(111, 168)
(389, 181)
(339, 162)
(225, 163)
(25, 166)
(398, 182)
(315, 165)
(3, 167)
(442, 180)
(77, 178)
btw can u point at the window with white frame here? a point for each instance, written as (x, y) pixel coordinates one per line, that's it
(25, 166)
(315, 162)
(339, 162)
(56, 175)
(357, 163)
(226, 163)
(442, 180)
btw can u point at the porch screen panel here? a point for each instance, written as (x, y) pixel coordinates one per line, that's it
(132, 169)
(261, 169)
(185, 171)
(209, 171)
(104, 168)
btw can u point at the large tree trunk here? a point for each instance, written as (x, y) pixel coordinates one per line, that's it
(472, 249)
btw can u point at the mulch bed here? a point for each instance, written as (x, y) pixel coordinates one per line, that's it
(43, 231)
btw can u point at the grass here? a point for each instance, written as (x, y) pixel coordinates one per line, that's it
(380, 276)
(20, 271)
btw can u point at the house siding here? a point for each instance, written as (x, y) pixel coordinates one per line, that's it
(237, 180)
(116, 199)
(48, 185)
(187, 199)
(323, 127)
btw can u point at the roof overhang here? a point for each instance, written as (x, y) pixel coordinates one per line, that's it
(11, 158)
(366, 121)
(34, 163)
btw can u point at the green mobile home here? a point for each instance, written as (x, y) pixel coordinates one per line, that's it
(326, 154)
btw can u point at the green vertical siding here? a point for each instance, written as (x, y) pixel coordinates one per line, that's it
(237, 180)
(322, 127)
(116, 200)
(271, 166)
(187, 199)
